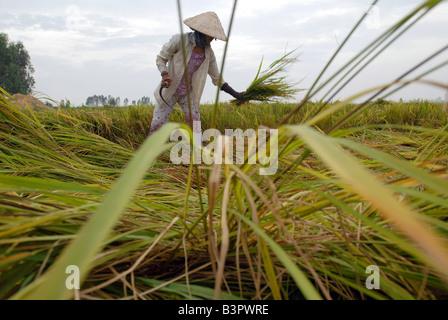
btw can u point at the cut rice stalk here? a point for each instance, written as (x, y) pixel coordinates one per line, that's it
(268, 86)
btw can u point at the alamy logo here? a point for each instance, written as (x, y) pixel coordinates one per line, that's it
(234, 147)
(373, 281)
(72, 281)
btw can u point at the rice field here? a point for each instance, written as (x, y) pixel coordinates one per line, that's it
(58, 168)
(359, 185)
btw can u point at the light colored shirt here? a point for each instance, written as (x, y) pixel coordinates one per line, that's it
(171, 60)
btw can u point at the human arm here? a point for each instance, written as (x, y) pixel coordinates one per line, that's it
(167, 53)
(228, 89)
(215, 75)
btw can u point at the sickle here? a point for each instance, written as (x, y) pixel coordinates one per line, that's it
(164, 85)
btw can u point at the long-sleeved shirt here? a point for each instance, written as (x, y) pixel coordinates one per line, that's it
(171, 60)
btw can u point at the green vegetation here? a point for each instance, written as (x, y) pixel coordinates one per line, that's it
(15, 67)
(269, 86)
(58, 166)
(129, 126)
(358, 185)
(101, 100)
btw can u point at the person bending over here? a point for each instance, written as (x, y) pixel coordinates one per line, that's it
(201, 61)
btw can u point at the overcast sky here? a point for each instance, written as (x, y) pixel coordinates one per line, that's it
(81, 48)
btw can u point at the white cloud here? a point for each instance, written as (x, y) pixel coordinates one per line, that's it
(246, 51)
(85, 37)
(323, 14)
(251, 8)
(335, 12)
(75, 20)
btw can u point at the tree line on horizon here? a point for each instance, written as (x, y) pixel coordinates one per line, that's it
(102, 100)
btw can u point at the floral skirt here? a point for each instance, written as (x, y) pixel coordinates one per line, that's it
(162, 112)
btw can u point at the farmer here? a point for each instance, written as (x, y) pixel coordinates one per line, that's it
(201, 61)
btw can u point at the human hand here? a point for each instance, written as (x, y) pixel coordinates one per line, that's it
(239, 96)
(166, 80)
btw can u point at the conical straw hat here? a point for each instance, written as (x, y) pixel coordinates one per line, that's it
(208, 23)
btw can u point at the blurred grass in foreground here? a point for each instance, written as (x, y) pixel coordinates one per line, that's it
(357, 185)
(55, 173)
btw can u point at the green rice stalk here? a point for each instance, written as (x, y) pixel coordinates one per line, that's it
(89, 240)
(268, 86)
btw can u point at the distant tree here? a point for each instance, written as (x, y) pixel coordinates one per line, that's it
(65, 104)
(125, 102)
(97, 101)
(111, 101)
(146, 100)
(49, 104)
(15, 67)
(90, 101)
(93, 101)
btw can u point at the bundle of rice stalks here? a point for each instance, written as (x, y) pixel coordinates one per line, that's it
(269, 86)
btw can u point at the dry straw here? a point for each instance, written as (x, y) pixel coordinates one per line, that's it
(343, 201)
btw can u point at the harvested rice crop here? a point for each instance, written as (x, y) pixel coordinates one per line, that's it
(269, 85)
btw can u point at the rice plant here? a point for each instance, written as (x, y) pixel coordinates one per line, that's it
(269, 86)
(87, 190)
